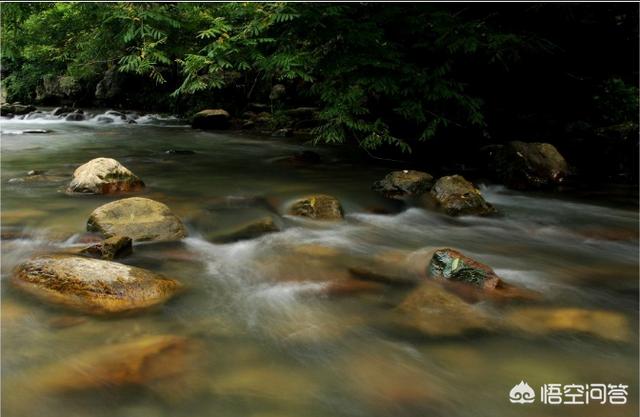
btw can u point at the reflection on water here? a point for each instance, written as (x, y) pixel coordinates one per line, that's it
(261, 330)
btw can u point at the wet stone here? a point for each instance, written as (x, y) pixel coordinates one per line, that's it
(141, 219)
(110, 248)
(435, 312)
(458, 197)
(406, 183)
(91, 285)
(104, 176)
(317, 207)
(449, 264)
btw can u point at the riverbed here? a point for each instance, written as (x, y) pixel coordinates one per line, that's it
(267, 339)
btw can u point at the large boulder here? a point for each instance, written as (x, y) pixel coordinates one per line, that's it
(141, 219)
(451, 265)
(92, 285)
(457, 196)
(104, 176)
(521, 165)
(216, 119)
(318, 207)
(406, 183)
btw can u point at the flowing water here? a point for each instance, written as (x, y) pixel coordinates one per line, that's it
(270, 342)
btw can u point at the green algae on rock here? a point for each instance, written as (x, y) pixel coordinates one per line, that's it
(318, 207)
(449, 264)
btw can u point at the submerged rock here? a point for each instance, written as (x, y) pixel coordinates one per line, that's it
(318, 207)
(435, 312)
(523, 165)
(302, 158)
(407, 183)
(607, 325)
(91, 285)
(35, 131)
(141, 219)
(115, 113)
(394, 267)
(457, 196)
(58, 111)
(146, 360)
(113, 247)
(449, 264)
(216, 119)
(104, 176)
(38, 176)
(74, 117)
(104, 119)
(179, 152)
(393, 384)
(248, 230)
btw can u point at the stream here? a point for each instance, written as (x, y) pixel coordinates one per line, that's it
(270, 341)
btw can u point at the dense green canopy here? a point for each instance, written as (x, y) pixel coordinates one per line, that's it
(380, 73)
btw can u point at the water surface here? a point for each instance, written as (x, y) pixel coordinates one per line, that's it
(269, 342)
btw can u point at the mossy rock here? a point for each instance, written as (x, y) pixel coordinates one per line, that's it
(449, 264)
(318, 207)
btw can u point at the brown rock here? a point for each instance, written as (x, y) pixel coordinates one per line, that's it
(141, 219)
(108, 249)
(449, 264)
(400, 184)
(392, 384)
(523, 165)
(249, 230)
(141, 362)
(458, 197)
(435, 312)
(347, 287)
(91, 285)
(318, 207)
